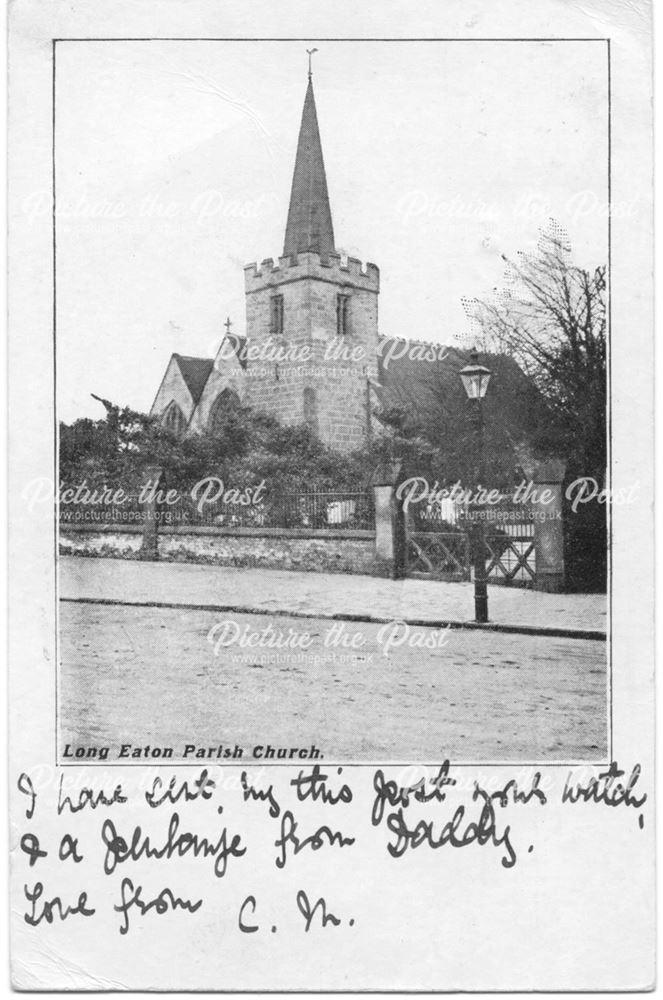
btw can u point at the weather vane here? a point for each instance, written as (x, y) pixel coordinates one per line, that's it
(310, 53)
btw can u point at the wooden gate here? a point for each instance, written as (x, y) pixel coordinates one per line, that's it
(509, 541)
(510, 555)
(437, 555)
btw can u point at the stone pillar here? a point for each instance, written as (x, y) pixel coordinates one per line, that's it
(150, 546)
(384, 532)
(546, 474)
(549, 526)
(389, 522)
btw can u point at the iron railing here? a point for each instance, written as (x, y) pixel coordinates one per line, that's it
(310, 509)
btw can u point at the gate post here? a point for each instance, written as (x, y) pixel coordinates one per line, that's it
(546, 473)
(150, 546)
(549, 531)
(389, 522)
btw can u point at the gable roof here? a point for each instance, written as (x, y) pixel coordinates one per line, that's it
(195, 372)
(237, 343)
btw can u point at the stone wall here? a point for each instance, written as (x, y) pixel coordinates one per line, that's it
(321, 551)
(344, 553)
(86, 541)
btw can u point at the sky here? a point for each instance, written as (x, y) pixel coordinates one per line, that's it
(173, 164)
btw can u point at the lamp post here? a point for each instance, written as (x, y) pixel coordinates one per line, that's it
(475, 379)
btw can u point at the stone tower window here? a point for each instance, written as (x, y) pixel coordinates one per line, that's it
(276, 318)
(174, 420)
(342, 315)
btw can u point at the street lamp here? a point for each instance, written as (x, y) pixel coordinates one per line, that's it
(475, 379)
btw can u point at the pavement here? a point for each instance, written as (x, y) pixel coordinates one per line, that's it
(328, 596)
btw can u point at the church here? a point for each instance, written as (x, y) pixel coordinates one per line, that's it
(312, 352)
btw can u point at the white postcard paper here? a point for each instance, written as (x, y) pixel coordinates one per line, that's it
(331, 442)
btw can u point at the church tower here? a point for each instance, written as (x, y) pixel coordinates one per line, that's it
(312, 316)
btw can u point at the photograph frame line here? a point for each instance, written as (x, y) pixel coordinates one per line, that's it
(570, 633)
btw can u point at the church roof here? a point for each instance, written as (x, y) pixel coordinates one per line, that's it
(422, 382)
(411, 373)
(195, 372)
(309, 225)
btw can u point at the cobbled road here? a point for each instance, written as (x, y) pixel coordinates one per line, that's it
(168, 678)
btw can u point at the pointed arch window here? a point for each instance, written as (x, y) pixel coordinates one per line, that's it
(174, 419)
(225, 402)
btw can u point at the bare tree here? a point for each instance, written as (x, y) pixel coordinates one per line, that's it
(550, 316)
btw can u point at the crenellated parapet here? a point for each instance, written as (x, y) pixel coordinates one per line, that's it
(322, 267)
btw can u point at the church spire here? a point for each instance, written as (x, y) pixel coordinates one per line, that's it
(309, 224)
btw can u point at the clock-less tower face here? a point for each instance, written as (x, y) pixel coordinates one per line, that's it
(327, 323)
